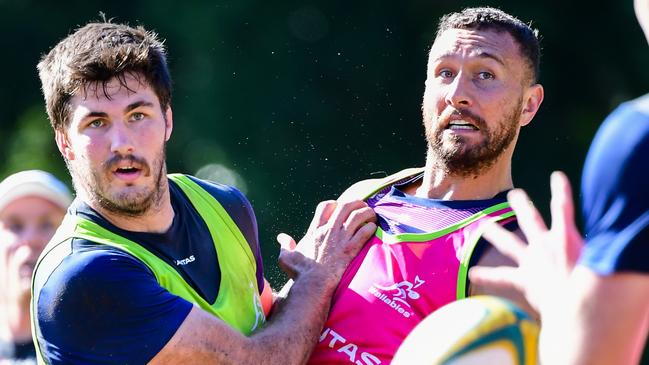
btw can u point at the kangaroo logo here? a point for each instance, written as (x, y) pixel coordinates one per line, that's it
(402, 291)
(260, 318)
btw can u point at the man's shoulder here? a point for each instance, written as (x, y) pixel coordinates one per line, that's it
(80, 259)
(616, 125)
(220, 192)
(103, 299)
(84, 271)
(91, 255)
(365, 188)
(615, 156)
(640, 104)
(239, 209)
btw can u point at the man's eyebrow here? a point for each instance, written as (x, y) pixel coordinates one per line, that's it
(137, 104)
(95, 115)
(484, 54)
(443, 56)
(480, 54)
(128, 108)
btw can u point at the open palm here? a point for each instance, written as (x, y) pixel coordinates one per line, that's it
(547, 259)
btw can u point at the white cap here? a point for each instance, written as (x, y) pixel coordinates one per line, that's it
(34, 183)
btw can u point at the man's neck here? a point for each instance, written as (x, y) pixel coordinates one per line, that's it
(157, 219)
(438, 183)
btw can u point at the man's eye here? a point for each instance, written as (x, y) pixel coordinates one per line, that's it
(445, 74)
(16, 227)
(137, 116)
(484, 75)
(46, 226)
(96, 123)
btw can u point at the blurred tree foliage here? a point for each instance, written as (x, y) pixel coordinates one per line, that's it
(294, 101)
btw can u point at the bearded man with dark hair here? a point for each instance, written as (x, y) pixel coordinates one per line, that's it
(481, 88)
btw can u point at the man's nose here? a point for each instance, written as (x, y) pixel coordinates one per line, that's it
(458, 92)
(34, 238)
(122, 141)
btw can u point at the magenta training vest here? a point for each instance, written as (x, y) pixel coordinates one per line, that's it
(393, 284)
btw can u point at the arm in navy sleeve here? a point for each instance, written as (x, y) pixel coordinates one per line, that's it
(103, 306)
(615, 192)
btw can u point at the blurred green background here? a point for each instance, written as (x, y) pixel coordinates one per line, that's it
(294, 101)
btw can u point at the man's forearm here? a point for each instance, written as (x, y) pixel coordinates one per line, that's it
(297, 321)
(317, 263)
(603, 320)
(287, 339)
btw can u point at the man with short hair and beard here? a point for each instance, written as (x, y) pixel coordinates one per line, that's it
(481, 89)
(155, 268)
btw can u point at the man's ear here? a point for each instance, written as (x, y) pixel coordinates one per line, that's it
(64, 145)
(531, 103)
(169, 123)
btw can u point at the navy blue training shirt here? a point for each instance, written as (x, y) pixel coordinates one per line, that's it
(615, 192)
(101, 305)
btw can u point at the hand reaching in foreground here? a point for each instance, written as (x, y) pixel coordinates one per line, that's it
(546, 261)
(336, 234)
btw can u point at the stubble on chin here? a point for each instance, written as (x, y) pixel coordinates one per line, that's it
(457, 156)
(95, 190)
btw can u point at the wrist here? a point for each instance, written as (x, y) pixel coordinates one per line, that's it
(322, 279)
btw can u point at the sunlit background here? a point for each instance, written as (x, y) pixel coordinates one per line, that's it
(294, 101)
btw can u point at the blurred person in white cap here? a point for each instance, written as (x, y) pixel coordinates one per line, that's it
(32, 205)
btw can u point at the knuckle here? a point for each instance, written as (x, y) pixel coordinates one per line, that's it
(354, 215)
(369, 212)
(323, 204)
(369, 225)
(352, 204)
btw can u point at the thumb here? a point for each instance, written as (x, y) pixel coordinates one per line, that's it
(289, 260)
(286, 242)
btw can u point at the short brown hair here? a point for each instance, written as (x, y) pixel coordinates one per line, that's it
(486, 18)
(97, 53)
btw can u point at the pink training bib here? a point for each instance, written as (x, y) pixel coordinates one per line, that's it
(394, 283)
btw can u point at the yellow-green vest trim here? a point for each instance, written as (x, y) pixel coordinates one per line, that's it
(365, 189)
(238, 302)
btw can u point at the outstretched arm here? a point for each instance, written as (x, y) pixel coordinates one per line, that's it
(547, 259)
(587, 318)
(603, 321)
(316, 265)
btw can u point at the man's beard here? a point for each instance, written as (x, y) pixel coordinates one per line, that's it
(457, 157)
(132, 204)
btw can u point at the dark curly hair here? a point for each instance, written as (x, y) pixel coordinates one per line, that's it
(95, 54)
